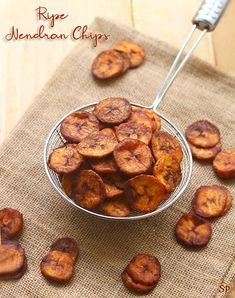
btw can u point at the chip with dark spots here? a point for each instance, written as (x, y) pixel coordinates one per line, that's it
(205, 154)
(113, 110)
(108, 64)
(224, 164)
(65, 159)
(136, 131)
(203, 134)
(210, 200)
(134, 51)
(139, 115)
(79, 125)
(97, 145)
(146, 193)
(166, 146)
(168, 172)
(13, 262)
(133, 157)
(58, 264)
(193, 231)
(89, 191)
(11, 223)
(142, 274)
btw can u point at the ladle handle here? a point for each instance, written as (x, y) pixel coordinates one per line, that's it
(209, 14)
(206, 20)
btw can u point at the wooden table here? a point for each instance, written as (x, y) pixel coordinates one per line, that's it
(25, 66)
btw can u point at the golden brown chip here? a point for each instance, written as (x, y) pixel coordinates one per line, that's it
(206, 154)
(65, 159)
(144, 269)
(133, 286)
(134, 131)
(12, 260)
(229, 199)
(97, 145)
(117, 207)
(193, 231)
(210, 201)
(168, 172)
(164, 145)
(108, 64)
(66, 244)
(224, 164)
(11, 223)
(57, 266)
(133, 157)
(139, 115)
(146, 193)
(135, 52)
(203, 134)
(79, 125)
(89, 190)
(104, 164)
(113, 110)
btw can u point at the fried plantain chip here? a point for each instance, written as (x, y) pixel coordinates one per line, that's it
(104, 164)
(117, 207)
(139, 115)
(13, 261)
(79, 125)
(65, 159)
(57, 266)
(11, 222)
(113, 110)
(168, 172)
(193, 231)
(145, 269)
(133, 286)
(146, 193)
(207, 154)
(224, 164)
(164, 145)
(89, 190)
(133, 157)
(134, 131)
(209, 201)
(97, 145)
(108, 64)
(135, 52)
(203, 134)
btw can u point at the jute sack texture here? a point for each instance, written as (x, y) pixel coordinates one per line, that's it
(106, 247)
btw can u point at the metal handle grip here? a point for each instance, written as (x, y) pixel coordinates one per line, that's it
(209, 14)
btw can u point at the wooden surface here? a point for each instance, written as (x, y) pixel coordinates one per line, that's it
(25, 66)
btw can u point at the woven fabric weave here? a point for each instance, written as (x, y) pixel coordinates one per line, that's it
(106, 247)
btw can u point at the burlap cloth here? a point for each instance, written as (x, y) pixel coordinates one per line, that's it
(106, 247)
